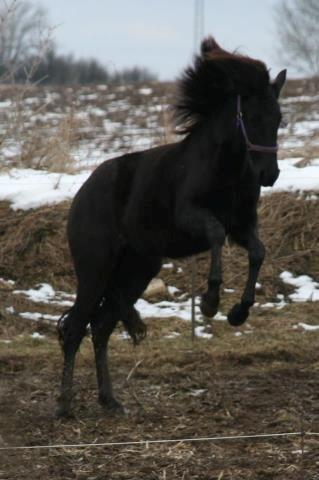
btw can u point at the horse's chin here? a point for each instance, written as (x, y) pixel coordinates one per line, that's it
(267, 184)
(269, 181)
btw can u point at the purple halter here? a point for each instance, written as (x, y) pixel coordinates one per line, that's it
(251, 146)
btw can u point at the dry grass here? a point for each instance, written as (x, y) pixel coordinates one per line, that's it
(52, 150)
(34, 248)
(49, 124)
(39, 145)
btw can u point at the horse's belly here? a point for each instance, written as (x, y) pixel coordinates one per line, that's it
(165, 242)
(184, 246)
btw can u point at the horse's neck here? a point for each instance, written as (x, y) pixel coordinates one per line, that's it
(225, 159)
(219, 147)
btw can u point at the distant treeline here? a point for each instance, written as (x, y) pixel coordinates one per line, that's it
(57, 69)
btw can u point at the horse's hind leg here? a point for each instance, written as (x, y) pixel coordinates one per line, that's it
(102, 326)
(130, 279)
(133, 276)
(71, 330)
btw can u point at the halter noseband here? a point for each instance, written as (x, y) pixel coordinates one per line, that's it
(251, 146)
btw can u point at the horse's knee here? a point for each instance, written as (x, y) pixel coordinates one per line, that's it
(70, 331)
(257, 254)
(103, 325)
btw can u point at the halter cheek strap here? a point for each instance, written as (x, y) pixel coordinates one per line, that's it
(251, 146)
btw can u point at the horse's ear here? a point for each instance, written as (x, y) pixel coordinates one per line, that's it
(279, 82)
(208, 46)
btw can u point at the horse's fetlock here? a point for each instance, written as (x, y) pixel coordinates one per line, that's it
(238, 314)
(209, 304)
(247, 303)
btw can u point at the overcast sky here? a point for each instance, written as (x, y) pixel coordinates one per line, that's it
(159, 34)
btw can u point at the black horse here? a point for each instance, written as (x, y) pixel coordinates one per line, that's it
(173, 201)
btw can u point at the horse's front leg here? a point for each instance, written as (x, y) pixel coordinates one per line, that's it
(200, 223)
(210, 299)
(256, 254)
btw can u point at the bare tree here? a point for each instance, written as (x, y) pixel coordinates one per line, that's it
(297, 24)
(22, 26)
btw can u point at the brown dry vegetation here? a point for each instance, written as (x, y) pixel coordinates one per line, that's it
(33, 246)
(50, 124)
(46, 125)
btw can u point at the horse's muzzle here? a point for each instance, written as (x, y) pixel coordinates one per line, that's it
(269, 179)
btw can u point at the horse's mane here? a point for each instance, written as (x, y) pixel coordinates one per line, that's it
(214, 75)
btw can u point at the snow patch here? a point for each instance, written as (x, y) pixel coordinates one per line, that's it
(168, 265)
(37, 336)
(29, 188)
(145, 91)
(173, 290)
(39, 316)
(196, 392)
(308, 328)
(220, 317)
(306, 289)
(165, 309)
(172, 335)
(45, 293)
(200, 332)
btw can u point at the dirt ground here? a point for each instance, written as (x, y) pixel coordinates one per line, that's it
(262, 381)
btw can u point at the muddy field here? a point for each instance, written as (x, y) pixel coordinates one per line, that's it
(262, 381)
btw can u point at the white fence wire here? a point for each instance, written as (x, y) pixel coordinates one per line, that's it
(162, 441)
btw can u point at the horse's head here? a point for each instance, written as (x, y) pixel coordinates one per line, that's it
(258, 118)
(224, 89)
(258, 112)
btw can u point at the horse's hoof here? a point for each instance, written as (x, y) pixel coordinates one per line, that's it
(140, 334)
(63, 412)
(238, 315)
(112, 406)
(208, 307)
(137, 330)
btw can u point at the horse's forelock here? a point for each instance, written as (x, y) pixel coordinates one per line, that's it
(209, 45)
(243, 71)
